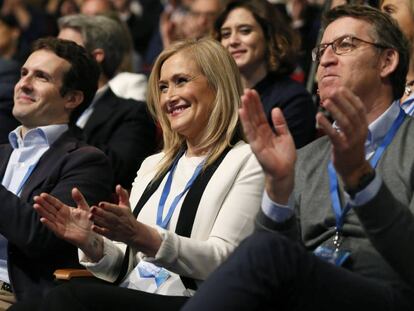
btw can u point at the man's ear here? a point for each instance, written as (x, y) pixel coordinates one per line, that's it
(73, 99)
(389, 62)
(99, 55)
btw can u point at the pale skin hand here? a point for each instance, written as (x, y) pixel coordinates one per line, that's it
(116, 222)
(348, 145)
(69, 223)
(275, 152)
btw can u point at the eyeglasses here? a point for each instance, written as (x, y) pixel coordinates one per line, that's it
(341, 46)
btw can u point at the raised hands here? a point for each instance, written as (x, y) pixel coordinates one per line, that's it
(276, 152)
(69, 223)
(84, 227)
(348, 143)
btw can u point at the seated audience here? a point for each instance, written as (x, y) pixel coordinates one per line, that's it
(403, 12)
(197, 23)
(9, 73)
(194, 202)
(122, 128)
(350, 245)
(263, 47)
(45, 154)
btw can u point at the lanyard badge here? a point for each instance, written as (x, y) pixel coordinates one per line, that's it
(163, 223)
(334, 254)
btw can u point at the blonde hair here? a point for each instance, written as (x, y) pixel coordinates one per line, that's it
(222, 74)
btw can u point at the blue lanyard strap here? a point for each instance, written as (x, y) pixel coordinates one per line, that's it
(25, 178)
(166, 191)
(333, 179)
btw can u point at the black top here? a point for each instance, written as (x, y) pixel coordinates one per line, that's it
(294, 101)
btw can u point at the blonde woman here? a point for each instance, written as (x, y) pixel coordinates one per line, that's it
(193, 202)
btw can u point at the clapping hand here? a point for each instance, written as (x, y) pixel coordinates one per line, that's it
(117, 222)
(275, 151)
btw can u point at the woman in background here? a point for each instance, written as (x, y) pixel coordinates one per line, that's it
(264, 49)
(403, 12)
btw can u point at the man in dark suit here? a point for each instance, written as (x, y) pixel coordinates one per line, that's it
(122, 128)
(337, 225)
(57, 83)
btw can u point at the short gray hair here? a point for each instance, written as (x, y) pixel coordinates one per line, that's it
(100, 32)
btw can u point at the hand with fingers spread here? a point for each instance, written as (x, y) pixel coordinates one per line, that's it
(116, 222)
(275, 151)
(348, 141)
(69, 223)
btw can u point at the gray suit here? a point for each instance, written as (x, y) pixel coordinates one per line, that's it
(268, 271)
(377, 233)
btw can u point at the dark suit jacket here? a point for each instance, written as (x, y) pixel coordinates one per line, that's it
(294, 101)
(9, 75)
(34, 252)
(123, 129)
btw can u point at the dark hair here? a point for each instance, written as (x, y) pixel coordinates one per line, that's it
(385, 31)
(282, 43)
(83, 74)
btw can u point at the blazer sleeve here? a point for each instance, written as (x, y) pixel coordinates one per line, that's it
(86, 168)
(389, 224)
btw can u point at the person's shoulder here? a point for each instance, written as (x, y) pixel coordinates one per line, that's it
(241, 152)
(123, 106)
(406, 133)
(285, 82)
(153, 160)
(72, 142)
(241, 147)
(282, 91)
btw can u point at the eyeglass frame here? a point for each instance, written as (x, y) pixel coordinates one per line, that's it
(317, 52)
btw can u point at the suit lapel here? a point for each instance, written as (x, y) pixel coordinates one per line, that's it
(5, 152)
(102, 111)
(46, 163)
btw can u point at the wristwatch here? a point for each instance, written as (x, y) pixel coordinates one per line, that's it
(363, 181)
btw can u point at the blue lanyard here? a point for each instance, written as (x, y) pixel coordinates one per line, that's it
(333, 180)
(166, 191)
(25, 178)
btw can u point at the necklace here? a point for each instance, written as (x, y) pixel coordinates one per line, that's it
(408, 87)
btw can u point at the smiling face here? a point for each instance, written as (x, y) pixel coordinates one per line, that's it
(186, 96)
(37, 98)
(359, 70)
(243, 37)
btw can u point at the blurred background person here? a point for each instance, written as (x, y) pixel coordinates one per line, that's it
(264, 49)
(305, 20)
(122, 128)
(403, 12)
(33, 21)
(9, 73)
(59, 8)
(182, 20)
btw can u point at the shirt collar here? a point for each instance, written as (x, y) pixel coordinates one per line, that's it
(42, 135)
(380, 127)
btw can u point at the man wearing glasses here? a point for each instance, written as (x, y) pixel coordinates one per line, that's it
(337, 223)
